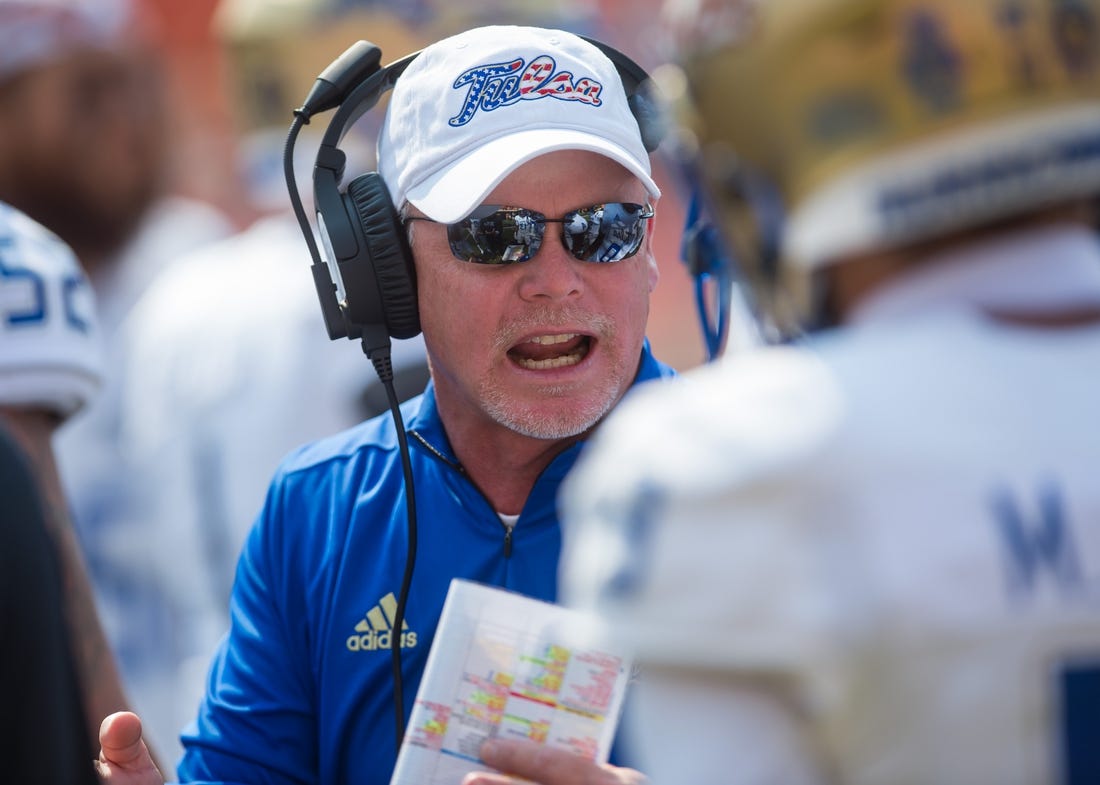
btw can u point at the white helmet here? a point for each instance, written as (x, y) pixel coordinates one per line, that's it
(50, 352)
(826, 128)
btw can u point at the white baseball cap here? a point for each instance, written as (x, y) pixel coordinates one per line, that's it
(472, 108)
(50, 351)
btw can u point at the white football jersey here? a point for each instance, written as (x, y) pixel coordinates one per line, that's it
(872, 559)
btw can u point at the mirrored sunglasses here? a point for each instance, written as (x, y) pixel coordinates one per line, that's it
(493, 234)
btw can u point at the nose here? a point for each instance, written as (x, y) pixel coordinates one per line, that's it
(553, 273)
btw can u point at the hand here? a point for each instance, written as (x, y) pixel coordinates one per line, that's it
(123, 757)
(546, 765)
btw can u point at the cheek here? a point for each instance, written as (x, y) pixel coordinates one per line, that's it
(437, 316)
(451, 306)
(636, 292)
(633, 306)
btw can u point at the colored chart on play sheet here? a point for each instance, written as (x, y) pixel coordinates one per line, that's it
(504, 665)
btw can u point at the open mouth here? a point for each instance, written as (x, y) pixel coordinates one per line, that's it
(543, 352)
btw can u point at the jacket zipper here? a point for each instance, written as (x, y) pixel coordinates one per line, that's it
(461, 470)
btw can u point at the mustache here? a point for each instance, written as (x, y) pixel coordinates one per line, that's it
(552, 319)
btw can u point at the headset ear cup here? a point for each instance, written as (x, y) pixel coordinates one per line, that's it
(387, 249)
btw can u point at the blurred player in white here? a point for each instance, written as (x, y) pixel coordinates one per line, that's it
(872, 555)
(84, 151)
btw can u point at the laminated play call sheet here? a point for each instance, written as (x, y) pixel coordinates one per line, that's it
(504, 665)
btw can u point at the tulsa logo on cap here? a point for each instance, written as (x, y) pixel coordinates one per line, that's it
(445, 157)
(501, 84)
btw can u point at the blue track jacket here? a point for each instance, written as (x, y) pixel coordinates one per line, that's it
(301, 689)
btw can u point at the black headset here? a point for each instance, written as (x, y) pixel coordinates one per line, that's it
(373, 295)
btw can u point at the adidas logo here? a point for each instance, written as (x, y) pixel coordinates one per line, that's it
(375, 631)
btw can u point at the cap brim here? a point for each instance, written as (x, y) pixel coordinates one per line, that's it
(452, 193)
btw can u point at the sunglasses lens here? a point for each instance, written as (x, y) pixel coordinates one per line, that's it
(494, 235)
(505, 235)
(605, 232)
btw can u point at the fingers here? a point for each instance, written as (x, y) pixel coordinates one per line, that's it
(123, 756)
(485, 778)
(120, 739)
(546, 765)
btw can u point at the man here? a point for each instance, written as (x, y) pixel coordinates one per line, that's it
(872, 556)
(84, 152)
(50, 369)
(526, 359)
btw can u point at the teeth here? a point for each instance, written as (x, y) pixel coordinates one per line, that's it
(555, 362)
(547, 340)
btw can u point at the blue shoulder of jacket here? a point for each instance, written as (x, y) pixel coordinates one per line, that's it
(377, 434)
